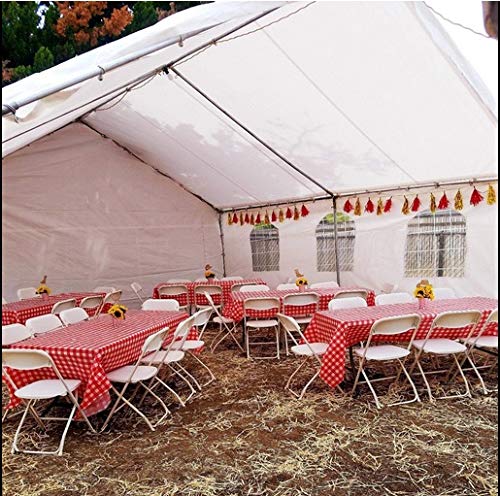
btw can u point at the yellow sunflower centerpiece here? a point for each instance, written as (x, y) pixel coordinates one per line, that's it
(301, 282)
(118, 311)
(43, 289)
(423, 291)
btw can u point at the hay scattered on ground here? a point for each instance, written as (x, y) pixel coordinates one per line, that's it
(244, 435)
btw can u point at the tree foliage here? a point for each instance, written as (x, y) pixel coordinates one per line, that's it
(38, 35)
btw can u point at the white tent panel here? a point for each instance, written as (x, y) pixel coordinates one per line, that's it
(85, 212)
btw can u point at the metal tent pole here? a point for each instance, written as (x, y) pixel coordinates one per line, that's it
(337, 263)
(221, 231)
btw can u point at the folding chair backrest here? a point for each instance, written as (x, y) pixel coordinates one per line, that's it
(25, 359)
(201, 317)
(176, 290)
(163, 305)
(214, 291)
(73, 315)
(393, 298)
(179, 281)
(292, 328)
(14, 333)
(353, 302)
(327, 284)
(154, 342)
(92, 302)
(212, 304)
(286, 286)
(444, 294)
(254, 288)
(256, 305)
(457, 319)
(104, 289)
(352, 293)
(492, 317)
(302, 300)
(391, 326)
(60, 306)
(113, 297)
(26, 293)
(182, 331)
(232, 278)
(43, 323)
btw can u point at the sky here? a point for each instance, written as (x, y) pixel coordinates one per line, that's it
(481, 53)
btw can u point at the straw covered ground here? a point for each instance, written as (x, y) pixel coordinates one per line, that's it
(244, 435)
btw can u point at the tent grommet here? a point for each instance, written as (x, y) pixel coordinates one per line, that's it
(100, 77)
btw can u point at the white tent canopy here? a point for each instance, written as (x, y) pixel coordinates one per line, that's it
(294, 101)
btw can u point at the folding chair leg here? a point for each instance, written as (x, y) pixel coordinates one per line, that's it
(306, 387)
(210, 373)
(375, 397)
(186, 381)
(190, 376)
(168, 388)
(162, 403)
(290, 379)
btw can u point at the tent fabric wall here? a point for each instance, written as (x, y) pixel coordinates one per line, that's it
(82, 210)
(379, 251)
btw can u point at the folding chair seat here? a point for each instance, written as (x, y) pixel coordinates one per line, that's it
(177, 292)
(43, 323)
(308, 350)
(390, 326)
(60, 306)
(393, 298)
(73, 315)
(445, 347)
(161, 305)
(256, 307)
(44, 389)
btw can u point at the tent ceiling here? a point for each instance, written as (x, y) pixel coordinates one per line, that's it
(357, 95)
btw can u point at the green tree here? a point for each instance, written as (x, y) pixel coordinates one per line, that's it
(43, 59)
(145, 15)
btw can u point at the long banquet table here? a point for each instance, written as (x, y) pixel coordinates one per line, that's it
(21, 311)
(87, 350)
(345, 328)
(234, 306)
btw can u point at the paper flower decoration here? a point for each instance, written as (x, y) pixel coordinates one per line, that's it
(424, 289)
(301, 281)
(209, 274)
(43, 288)
(118, 311)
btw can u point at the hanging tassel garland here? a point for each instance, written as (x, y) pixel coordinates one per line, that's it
(274, 217)
(491, 197)
(247, 218)
(432, 206)
(289, 213)
(348, 206)
(266, 219)
(476, 197)
(444, 203)
(229, 219)
(357, 207)
(258, 219)
(380, 207)
(369, 207)
(281, 215)
(304, 212)
(405, 209)
(296, 214)
(415, 204)
(459, 201)
(388, 205)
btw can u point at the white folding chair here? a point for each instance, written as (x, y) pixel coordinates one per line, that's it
(341, 303)
(270, 306)
(306, 349)
(445, 347)
(228, 324)
(179, 281)
(111, 298)
(176, 291)
(104, 289)
(444, 294)
(60, 306)
(351, 293)
(325, 285)
(162, 305)
(27, 293)
(390, 326)
(44, 389)
(484, 344)
(232, 278)
(200, 319)
(138, 375)
(43, 323)
(200, 302)
(286, 286)
(92, 303)
(73, 316)
(137, 289)
(4, 301)
(254, 288)
(393, 298)
(236, 288)
(14, 333)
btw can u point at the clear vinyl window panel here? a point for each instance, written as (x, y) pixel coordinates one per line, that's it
(325, 243)
(436, 245)
(265, 245)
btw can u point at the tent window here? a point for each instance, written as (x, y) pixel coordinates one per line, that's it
(325, 243)
(436, 245)
(265, 244)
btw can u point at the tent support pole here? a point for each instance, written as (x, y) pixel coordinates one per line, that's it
(221, 231)
(248, 131)
(337, 263)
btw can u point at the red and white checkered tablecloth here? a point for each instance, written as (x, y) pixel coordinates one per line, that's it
(87, 350)
(200, 299)
(21, 311)
(234, 306)
(347, 327)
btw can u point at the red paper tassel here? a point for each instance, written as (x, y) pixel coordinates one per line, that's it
(348, 206)
(274, 217)
(229, 219)
(281, 215)
(415, 204)
(257, 219)
(303, 211)
(296, 214)
(266, 219)
(289, 213)
(444, 203)
(476, 197)
(247, 218)
(369, 207)
(235, 218)
(388, 205)
(242, 219)
(252, 219)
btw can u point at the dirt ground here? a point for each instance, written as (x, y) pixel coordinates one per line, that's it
(245, 435)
